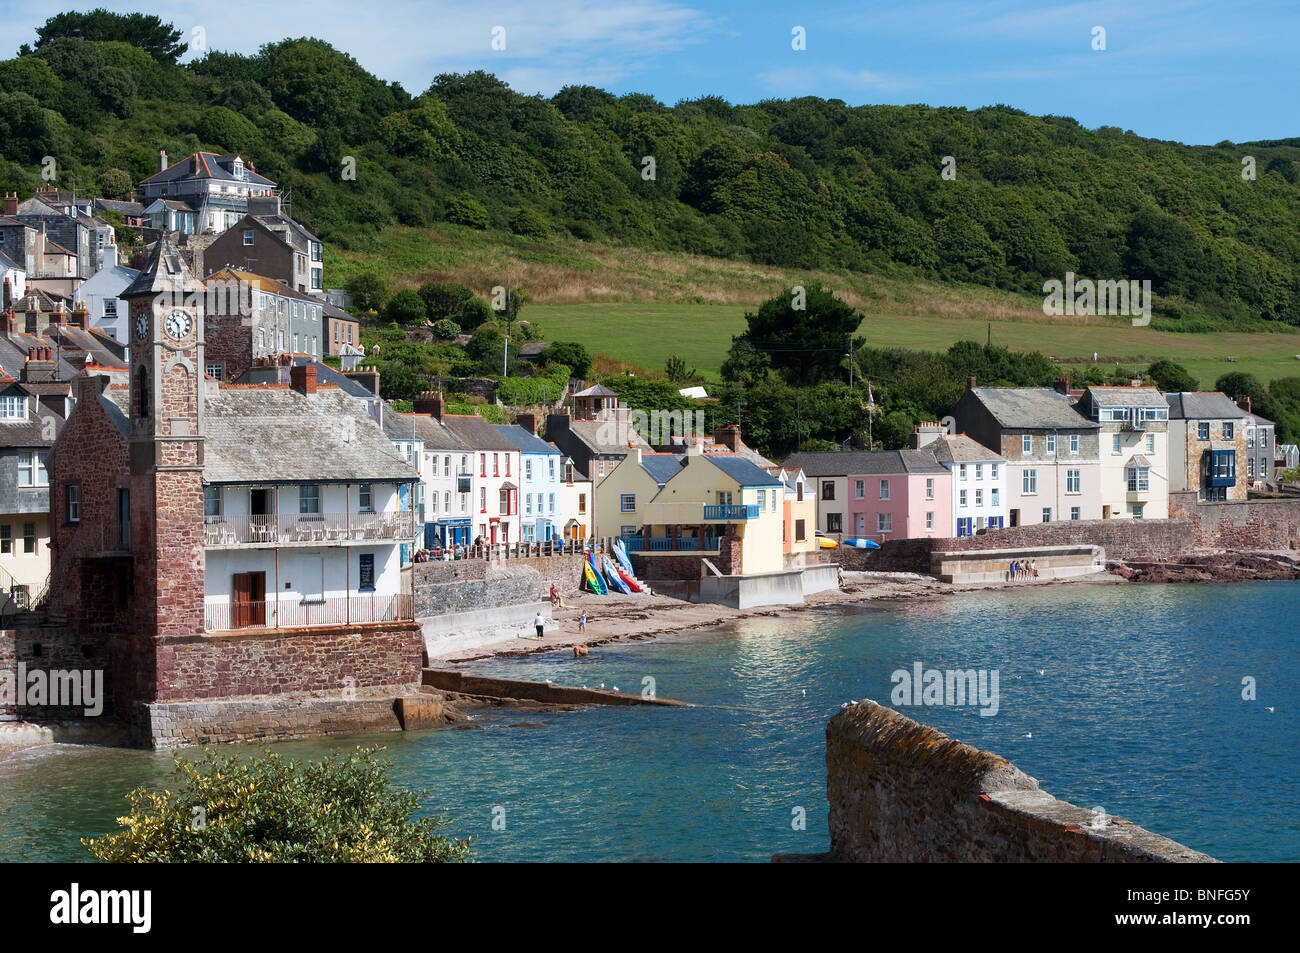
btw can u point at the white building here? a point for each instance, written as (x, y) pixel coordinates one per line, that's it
(979, 478)
(105, 309)
(443, 496)
(1133, 449)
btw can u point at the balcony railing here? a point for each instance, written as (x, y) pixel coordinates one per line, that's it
(294, 613)
(664, 544)
(307, 528)
(731, 511)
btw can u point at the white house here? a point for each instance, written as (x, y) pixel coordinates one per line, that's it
(1133, 450)
(443, 497)
(105, 309)
(979, 478)
(494, 468)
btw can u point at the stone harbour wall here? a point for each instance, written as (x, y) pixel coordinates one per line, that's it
(900, 791)
(49, 650)
(1240, 525)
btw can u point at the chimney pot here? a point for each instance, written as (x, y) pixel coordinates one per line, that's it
(970, 383)
(302, 378)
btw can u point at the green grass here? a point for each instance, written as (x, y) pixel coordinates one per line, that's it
(641, 307)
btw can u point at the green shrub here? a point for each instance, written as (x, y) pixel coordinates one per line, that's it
(405, 307)
(466, 210)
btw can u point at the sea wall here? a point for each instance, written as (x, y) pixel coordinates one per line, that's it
(49, 649)
(1240, 525)
(466, 585)
(900, 791)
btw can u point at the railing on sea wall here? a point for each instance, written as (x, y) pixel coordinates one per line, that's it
(297, 613)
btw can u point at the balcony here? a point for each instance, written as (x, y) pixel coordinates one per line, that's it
(664, 544)
(307, 529)
(296, 614)
(731, 511)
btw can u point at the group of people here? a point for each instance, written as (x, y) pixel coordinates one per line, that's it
(440, 554)
(1023, 569)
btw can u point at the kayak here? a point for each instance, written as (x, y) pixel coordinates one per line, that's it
(826, 542)
(631, 581)
(862, 543)
(594, 582)
(620, 553)
(612, 575)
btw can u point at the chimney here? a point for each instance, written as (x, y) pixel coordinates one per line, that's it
(970, 383)
(162, 160)
(728, 436)
(9, 294)
(39, 365)
(1062, 385)
(926, 433)
(7, 321)
(367, 377)
(302, 378)
(429, 402)
(528, 422)
(194, 164)
(264, 205)
(80, 316)
(11, 204)
(1244, 404)
(58, 315)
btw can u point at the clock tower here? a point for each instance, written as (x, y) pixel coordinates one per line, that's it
(166, 417)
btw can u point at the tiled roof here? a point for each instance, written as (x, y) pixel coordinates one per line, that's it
(833, 463)
(476, 432)
(1033, 408)
(959, 448)
(525, 441)
(434, 434)
(743, 471)
(277, 434)
(1126, 396)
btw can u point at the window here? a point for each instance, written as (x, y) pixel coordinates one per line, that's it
(1250, 468)
(1073, 481)
(1136, 510)
(482, 499)
(828, 490)
(315, 277)
(212, 501)
(1074, 444)
(627, 503)
(433, 503)
(309, 498)
(550, 468)
(929, 519)
(1250, 438)
(859, 489)
(1074, 512)
(762, 501)
(724, 497)
(110, 307)
(366, 498)
(1151, 443)
(248, 236)
(261, 338)
(1116, 445)
(13, 407)
(568, 472)
(929, 488)
(496, 464)
(1047, 514)
(1029, 481)
(1026, 443)
(507, 464)
(551, 504)
(582, 503)
(482, 464)
(979, 497)
(961, 472)
(72, 493)
(29, 537)
(1138, 479)
(1051, 443)
(833, 522)
(1228, 430)
(528, 469)
(366, 572)
(601, 465)
(961, 498)
(215, 370)
(1203, 430)
(6, 539)
(31, 469)
(884, 489)
(884, 522)
(446, 501)
(528, 504)
(446, 466)
(993, 471)
(993, 496)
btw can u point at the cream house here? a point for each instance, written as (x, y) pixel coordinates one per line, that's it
(1133, 450)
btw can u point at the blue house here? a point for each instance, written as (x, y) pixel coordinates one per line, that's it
(539, 488)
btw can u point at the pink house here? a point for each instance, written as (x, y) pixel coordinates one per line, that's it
(879, 495)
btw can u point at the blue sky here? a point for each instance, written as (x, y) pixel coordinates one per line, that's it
(1188, 70)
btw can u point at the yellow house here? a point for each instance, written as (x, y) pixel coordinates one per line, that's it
(799, 515)
(721, 506)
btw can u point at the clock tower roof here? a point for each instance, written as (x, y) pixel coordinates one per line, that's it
(166, 272)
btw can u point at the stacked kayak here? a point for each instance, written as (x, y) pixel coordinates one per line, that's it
(614, 577)
(591, 579)
(624, 566)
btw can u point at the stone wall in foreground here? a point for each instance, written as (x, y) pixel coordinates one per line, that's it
(1240, 525)
(901, 791)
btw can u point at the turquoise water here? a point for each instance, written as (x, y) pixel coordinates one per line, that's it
(1137, 710)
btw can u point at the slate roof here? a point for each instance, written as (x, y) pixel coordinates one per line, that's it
(210, 167)
(277, 435)
(743, 471)
(883, 462)
(960, 448)
(1202, 405)
(32, 431)
(8, 264)
(125, 209)
(476, 432)
(166, 271)
(1126, 396)
(1033, 408)
(596, 390)
(602, 436)
(662, 467)
(524, 441)
(435, 434)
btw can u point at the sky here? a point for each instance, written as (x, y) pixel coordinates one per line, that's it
(1192, 71)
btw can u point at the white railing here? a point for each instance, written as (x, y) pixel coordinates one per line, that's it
(307, 528)
(296, 613)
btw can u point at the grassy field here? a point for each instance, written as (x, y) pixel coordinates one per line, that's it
(642, 307)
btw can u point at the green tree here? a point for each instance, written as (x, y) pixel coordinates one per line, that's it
(446, 329)
(569, 353)
(1170, 377)
(405, 307)
(369, 290)
(143, 31)
(676, 371)
(114, 183)
(232, 808)
(805, 332)
(466, 210)
(529, 222)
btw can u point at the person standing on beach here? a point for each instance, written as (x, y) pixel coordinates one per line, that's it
(582, 621)
(541, 625)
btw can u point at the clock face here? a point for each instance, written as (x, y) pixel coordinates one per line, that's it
(177, 324)
(142, 326)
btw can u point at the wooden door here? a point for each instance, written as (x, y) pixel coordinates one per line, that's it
(248, 599)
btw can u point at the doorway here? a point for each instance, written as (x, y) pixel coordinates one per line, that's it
(248, 600)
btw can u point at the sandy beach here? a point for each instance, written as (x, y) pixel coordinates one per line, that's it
(617, 618)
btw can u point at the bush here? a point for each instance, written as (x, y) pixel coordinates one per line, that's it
(266, 809)
(446, 329)
(466, 210)
(405, 307)
(114, 183)
(368, 290)
(570, 353)
(530, 223)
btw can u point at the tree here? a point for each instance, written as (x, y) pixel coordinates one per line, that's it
(1171, 377)
(487, 347)
(676, 370)
(405, 307)
(571, 354)
(424, 133)
(1238, 384)
(804, 332)
(444, 299)
(143, 31)
(529, 222)
(114, 183)
(466, 210)
(266, 809)
(368, 289)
